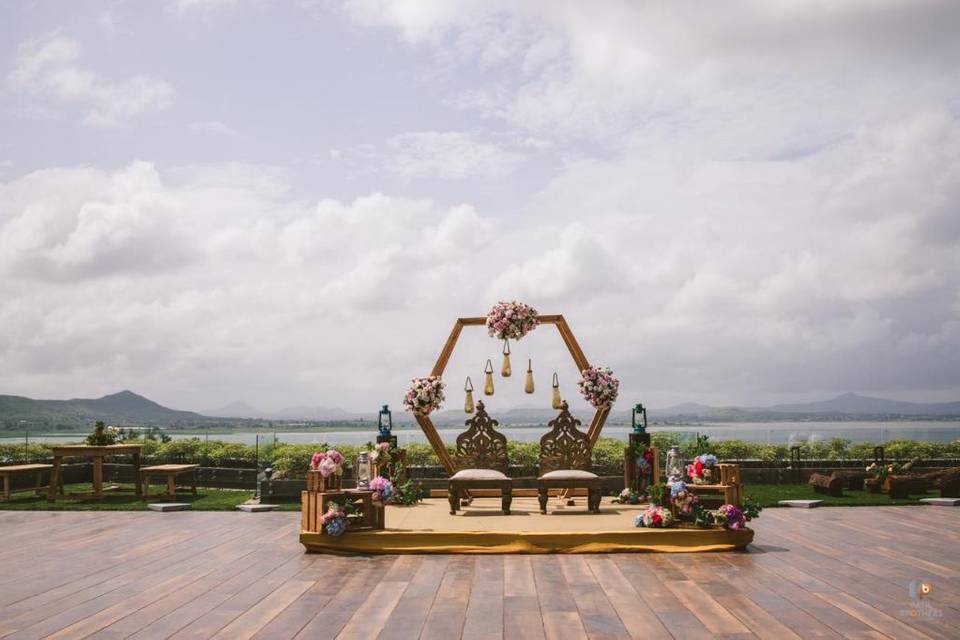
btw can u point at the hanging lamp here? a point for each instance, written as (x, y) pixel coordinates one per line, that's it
(468, 401)
(488, 382)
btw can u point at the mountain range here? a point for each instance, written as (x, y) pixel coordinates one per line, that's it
(128, 408)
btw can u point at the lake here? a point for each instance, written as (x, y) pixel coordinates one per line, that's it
(765, 432)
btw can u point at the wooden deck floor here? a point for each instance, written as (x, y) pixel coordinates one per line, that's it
(825, 573)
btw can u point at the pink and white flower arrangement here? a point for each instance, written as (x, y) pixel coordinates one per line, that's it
(701, 471)
(598, 386)
(511, 320)
(686, 502)
(424, 395)
(382, 490)
(328, 463)
(655, 516)
(380, 451)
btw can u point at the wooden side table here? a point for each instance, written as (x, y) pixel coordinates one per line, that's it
(314, 504)
(96, 454)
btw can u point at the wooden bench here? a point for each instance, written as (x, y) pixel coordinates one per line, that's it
(171, 471)
(23, 469)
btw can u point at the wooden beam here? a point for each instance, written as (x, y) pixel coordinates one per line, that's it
(596, 425)
(549, 319)
(572, 345)
(474, 321)
(436, 442)
(447, 350)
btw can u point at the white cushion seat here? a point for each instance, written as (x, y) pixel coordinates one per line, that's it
(479, 474)
(568, 474)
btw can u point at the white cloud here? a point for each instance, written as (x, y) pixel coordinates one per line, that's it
(48, 67)
(451, 155)
(215, 127)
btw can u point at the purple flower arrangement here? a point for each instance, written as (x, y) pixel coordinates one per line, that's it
(424, 395)
(731, 517)
(511, 320)
(598, 386)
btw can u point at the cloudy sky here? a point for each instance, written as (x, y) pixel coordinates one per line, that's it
(288, 203)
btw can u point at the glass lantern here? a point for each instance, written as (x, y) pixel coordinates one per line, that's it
(674, 465)
(639, 411)
(363, 470)
(385, 422)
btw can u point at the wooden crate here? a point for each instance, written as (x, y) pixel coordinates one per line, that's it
(630, 465)
(316, 482)
(314, 504)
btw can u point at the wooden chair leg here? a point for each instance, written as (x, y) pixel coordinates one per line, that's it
(171, 485)
(193, 485)
(506, 498)
(6, 487)
(543, 496)
(36, 491)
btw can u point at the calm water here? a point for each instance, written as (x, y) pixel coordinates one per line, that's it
(766, 432)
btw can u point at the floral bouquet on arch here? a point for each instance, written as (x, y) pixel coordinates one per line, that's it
(598, 386)
(424, 395)
(511, 320)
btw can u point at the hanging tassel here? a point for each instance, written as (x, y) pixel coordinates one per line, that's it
(505, 370)
(557, 402)
(488, 384)
(468, 402)
(528, 384)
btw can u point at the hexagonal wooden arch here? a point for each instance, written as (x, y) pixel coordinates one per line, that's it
(599, 418)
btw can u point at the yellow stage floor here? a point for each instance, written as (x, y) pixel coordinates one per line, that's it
(482, 528)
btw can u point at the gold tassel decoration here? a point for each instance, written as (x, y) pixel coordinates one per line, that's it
(468, 403)
(505, 370)
(488, 384)
(557, 402)
(528, 384)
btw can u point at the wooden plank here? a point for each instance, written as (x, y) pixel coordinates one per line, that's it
(521, 608)
(572, 345)
(638, 618)
(484, 619)
(408, 617)
(600, 619)
(557, 605)
(449, 609)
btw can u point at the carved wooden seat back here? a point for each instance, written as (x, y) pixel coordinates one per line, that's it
(481, 446)
(564, 446)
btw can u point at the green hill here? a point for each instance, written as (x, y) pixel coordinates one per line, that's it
(18, 413)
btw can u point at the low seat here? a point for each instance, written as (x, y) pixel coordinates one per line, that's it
(8, 471)
(565, 461)
(482, 459)
(171, 472)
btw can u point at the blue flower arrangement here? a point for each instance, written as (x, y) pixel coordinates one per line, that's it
(677, 488)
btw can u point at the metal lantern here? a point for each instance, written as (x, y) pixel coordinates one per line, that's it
(363, 470)
(641, 411)
(385, 421)
(674, 465)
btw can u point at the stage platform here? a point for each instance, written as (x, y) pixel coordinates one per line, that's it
(481, 528)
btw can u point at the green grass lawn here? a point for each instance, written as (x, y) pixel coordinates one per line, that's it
(769, 494)
(123, 498)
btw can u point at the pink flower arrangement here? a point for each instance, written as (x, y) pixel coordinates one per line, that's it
(328, 463)
(511, 320)
(334, 520)
(424, 395)
(598, 386)
(686, 502)
(655, 516)
(701, 469)
(382, 490)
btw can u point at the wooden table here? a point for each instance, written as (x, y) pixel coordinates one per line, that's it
(96, 454)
